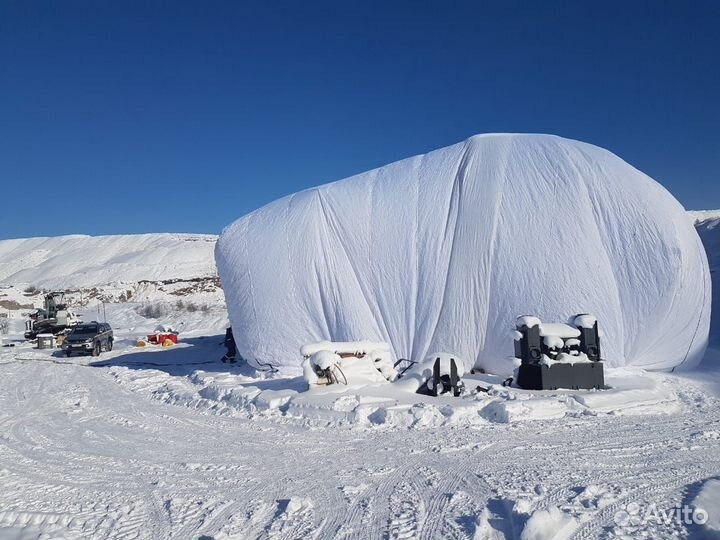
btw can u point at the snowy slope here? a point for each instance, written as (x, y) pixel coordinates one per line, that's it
(701, 216)
(708, 226)
(87, 261)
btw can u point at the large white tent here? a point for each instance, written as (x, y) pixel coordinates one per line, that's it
(442, 251)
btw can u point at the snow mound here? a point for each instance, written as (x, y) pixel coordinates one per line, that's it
(708, 500)
(89, 261)
(550, 524)
(441, 252)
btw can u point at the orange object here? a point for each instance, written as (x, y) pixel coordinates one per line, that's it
(159, 339)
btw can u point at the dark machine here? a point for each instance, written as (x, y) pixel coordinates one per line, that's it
(559, 355)
(443, 383)
(229, 343)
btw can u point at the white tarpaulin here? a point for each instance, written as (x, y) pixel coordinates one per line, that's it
(441, 252)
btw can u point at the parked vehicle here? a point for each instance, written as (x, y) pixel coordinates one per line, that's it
(90, 338)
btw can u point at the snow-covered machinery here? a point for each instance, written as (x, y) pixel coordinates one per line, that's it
(353, 362)
(55, 317)
(163, 335)
(439, 373)
(443, 380)
(558, 355)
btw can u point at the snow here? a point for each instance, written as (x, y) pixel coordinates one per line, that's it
(558, 330)
(707, 216)
(441, 252)
(527, 320)
(65, 262)
(164, 443)
(709, 231)
(564, 358)
(585, 321)
(550, 524)
(553, 341)
(708, 500)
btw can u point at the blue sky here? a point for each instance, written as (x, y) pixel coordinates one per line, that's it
(121, 117)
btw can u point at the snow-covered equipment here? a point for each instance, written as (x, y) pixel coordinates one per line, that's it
(441, 251)
(441, 383)
(55, 317)
(351, 362)
(323, 367)
(439, 373)
(558, 355)
(46, 341)
(163, 335)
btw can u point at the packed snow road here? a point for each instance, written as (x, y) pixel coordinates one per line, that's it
(84, 457)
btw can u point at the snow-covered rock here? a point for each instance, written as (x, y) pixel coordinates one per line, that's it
(443, 251)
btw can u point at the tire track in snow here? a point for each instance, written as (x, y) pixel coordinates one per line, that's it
(121, 454)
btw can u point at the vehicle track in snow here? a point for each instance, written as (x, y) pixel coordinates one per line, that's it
(86, 456)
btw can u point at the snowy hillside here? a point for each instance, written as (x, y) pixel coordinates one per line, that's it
(708, 227)
(704, 216)
(89, 261)
(157, 277)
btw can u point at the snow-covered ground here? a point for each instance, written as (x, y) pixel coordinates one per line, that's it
(171, 443)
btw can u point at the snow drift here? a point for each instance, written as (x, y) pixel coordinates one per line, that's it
(441, 252)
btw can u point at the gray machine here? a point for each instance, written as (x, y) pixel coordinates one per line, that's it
(557, 356)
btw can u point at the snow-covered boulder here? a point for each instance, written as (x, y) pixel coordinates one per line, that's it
(443, 251)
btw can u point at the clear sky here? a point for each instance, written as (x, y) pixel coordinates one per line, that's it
(120, 117)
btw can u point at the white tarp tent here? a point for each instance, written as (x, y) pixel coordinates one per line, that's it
(442, 251)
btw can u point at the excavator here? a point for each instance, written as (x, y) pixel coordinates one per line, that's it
(54, 317)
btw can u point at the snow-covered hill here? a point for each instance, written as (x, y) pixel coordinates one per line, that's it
(155, 274)
(708, 226)
(701, 216)
(90, 261)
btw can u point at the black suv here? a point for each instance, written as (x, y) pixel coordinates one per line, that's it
(90, 338)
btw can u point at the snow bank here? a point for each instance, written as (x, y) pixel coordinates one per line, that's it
(708, 500)
(441, 252)
(243, 392)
